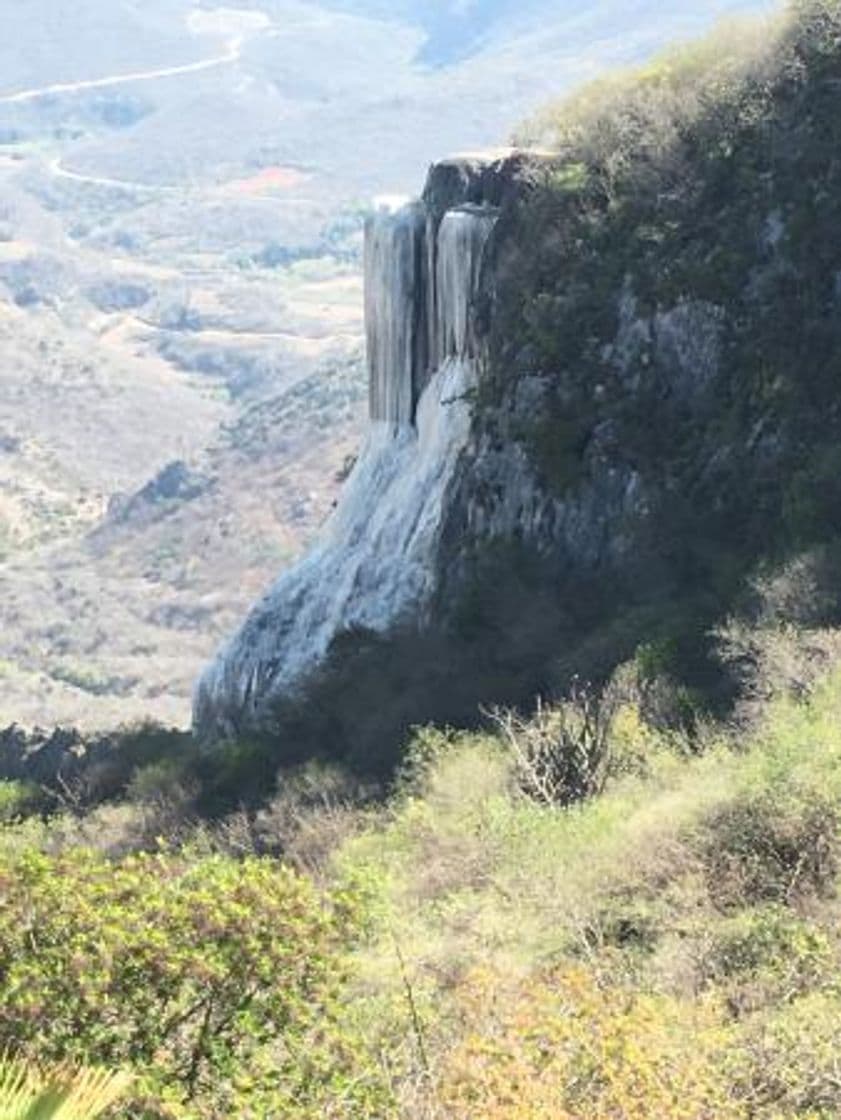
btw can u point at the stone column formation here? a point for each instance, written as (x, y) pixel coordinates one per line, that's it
(374, 563)
(421, 275)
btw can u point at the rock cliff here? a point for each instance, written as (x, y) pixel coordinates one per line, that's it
(377, 561)
(604, 401)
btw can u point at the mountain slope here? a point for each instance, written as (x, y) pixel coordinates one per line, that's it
(187, 245)
(653, 322)
(65, 43)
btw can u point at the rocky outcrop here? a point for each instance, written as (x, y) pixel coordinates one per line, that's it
(526, 398)
(449, 467)
(604, 402)
(466, 449)
(175, 483)
(376, 563)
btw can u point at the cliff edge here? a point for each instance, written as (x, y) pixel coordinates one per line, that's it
(604, 401)
(377, 560)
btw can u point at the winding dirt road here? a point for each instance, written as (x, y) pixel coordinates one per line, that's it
(219, 191)
(55, 168)
(231, 55)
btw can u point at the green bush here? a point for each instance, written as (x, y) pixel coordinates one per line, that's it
(17, 800)
(787, 1065)
(216, 981)
(767, 956)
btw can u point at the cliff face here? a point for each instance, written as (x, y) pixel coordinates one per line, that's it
(376, 563)
(604, 396)
(447, 485)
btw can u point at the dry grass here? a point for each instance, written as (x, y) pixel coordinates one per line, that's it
(680, 907)
(638, 114)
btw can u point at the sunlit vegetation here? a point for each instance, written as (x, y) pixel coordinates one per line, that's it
(215, 981)
(470, 942)
(619, 904)
(30, 1092)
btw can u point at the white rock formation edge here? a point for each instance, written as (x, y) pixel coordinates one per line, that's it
(374, 562)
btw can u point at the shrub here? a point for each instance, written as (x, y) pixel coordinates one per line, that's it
(315, 809)
(787, 1064)
(650, 686)
(802, 592)
(626, 922)
(162, 783)
(563, 754)
(235, 773)
(79, 773)
(165, 794)
(774, 661)
(112, 830)
(449, 793)
(627, 128)
(772, 846)
(764, 956)
(17, 800)
(215, 980)
(565, 1047)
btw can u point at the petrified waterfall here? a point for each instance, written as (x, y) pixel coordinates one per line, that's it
(394, 312)
(421, 277)
(374, 562)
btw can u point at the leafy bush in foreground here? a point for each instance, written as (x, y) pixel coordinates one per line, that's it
(215, 980)
(564, 1047)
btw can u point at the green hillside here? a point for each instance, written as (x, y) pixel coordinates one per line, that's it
(583, 915)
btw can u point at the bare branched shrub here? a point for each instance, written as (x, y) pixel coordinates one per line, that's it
(563, 753)
(307, 820)
(772, 661)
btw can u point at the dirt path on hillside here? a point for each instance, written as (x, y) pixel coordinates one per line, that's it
(232, 54)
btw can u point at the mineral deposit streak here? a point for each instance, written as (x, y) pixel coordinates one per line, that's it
(374, 562)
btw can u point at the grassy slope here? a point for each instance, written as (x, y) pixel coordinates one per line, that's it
(673, 942)
(668, 948)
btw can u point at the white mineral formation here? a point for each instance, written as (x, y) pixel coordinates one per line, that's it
(374, 563)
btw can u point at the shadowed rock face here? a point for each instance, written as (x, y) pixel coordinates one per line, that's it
(443, 485)
(376, 562)
(176, 482)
